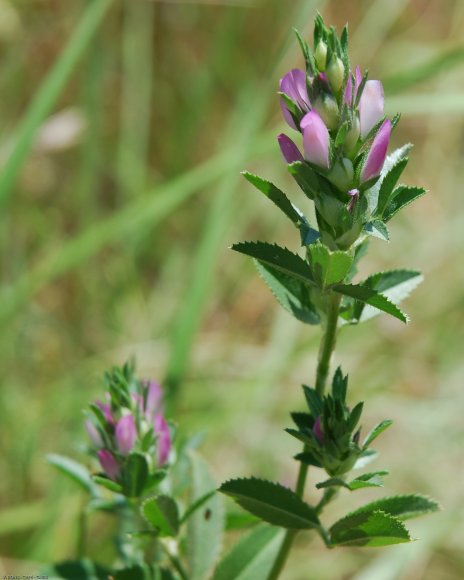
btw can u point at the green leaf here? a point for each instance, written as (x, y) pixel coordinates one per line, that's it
(366, 457)
(137, 572)
(163, 514)
(83, 569)
(328, 267)
(339, 385)
(314, 401)
(388, 183)
(291, 293)
(403, 507)
(240, 520)
(272, 503)
(196, 505)
(134, 475)
(280, 258)
(373, 479)
(277, 196)
(252, 557)
(371, 297)
(377, 229)
(396, 285)
(354, 417)
(401, 197)
(205, 527)
(75, 471)
(308, 459)
(107, 483)
(369, 529)
(376, 431)
(305, 177)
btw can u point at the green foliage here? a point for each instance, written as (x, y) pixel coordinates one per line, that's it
(328, 267)
(372, 479)
(74, 471)
(369, 296)
(369, 529)
(377, 229)
(388, 184)
(403, 507)
(401, 197)
(376, 431)
(291, 293)
(205, 526)
(279, 258)
(163, 514)
(83, 569)
(134, 475)
(271, 502)
(305, 177)
(252, 557)
(108, 483)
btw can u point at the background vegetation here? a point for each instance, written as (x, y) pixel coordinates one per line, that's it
(124, 127)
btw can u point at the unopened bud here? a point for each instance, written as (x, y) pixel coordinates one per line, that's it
(341, 174)
(336, 74)
(321, 55)
(352, 137)
(327, 108)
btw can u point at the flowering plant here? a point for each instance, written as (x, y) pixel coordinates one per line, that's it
(344, 169)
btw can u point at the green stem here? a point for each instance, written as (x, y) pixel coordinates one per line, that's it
(325, 354)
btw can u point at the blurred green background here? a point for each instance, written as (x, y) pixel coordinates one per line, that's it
(124, 126)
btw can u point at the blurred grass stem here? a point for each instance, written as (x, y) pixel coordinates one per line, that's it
(325, 354)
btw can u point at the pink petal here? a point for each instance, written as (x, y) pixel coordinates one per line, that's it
(109, 463)
(93, 433)
(289, 150)
(161, 429)
(378, 152)
(126, 434)
(154, 397)
(316, 139)
(371, 106)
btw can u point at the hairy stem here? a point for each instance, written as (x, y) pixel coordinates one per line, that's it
(325, 354)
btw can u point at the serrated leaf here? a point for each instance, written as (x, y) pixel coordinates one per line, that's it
(205, 527)
(373, 479)
(74, 471)
(396, 285)
(368, 529)
(328, 267)
(371, 297)
(391, 161)
(134, 475)
(377, 229)
(292, 294)
(252, 557)
(163, 514)
(403, 507)
(305, 177)
(271, 502)
(279, 258)
(108, 483)
(314, 400)
(401, 197)
(277, 196)
(376, 431)
(389, 181)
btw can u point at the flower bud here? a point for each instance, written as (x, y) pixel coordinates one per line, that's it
(161, 429)
(317, 430)
(336, 74)
(153, 401)
(289, 150)
(316, 140)
(327, 108)
(321, 55)
(341, 174)
(371, 106)
(293, 84)
(352, 137)
(377, 153)
(109, 463)
(126, 434)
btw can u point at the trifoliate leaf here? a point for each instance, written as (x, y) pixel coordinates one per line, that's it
(272, 503)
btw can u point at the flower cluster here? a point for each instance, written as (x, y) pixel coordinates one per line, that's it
(345, 134)
(129, 421)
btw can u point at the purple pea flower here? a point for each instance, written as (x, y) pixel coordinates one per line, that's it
(126, 434)
(316, 140)
(154, 397)
(161, 429)
(289, 150)
(377, 153)
(317, 430)
(109, 463)
(371, 106)
(293, 84)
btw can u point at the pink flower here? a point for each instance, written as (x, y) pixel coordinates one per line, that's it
(161, 429)
(377, 153)
(371, 106)
(316, 140)
(293, 84)
(126, 434)
(109, 463)
(289, 150)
